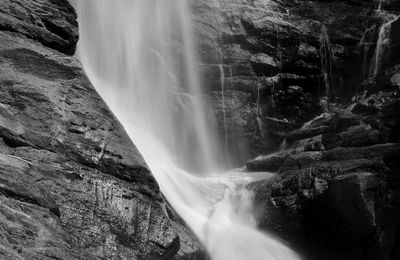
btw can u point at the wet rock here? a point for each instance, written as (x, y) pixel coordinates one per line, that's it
(72, 184)
(267, 163)
(305, 133)
(336, 194)
(272, 47)
(286, 35)
(264, 65)
(320, 194)
(361, 135)
(342, 122)
(323, 195)
(314, 144)
(360, 108)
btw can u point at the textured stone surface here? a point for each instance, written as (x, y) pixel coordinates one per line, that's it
(72, 184)
(339, 200)
(271, 56)
(51, 22)
(336, 193)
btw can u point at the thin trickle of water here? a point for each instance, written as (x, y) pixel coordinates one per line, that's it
(259, 112)
(365, 46)
(327, 62)
(380, 5)
(139, 55)
(283, 146)
(222, 79)
(220, 61)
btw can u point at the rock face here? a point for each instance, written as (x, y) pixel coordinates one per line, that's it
(52, 23)
(72, 185)
(270, 66)
(341, 199)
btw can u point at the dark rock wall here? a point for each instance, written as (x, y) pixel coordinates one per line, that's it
(335, 199)
(273, 55)
(336, 193)
(337, 190)
(52, 23)
(72, 185)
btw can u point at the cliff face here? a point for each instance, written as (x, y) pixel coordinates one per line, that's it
(271, 66)
(72, 185)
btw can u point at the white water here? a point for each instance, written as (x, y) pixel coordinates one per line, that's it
(382, 47)
(380, 55)
(139, 55)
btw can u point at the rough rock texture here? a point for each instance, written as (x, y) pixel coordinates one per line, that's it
(72, 185)
(264, 62)
(51, 22)
(341, 199)
(272, 66)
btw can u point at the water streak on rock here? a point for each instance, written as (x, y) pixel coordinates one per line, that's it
(327, 62)
(382, 47)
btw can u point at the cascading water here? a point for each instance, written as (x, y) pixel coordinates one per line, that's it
(139, 55)
(379, 56)
(382, 47)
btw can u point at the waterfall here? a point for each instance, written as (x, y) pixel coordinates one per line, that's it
(139, 56)
(382, 47)
(373, 65)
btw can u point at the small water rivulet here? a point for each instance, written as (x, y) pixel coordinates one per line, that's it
(327, 62)
(139, 55)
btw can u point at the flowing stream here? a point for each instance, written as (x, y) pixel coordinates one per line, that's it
(139, 55)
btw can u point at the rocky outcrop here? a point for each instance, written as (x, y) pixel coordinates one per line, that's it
(72, 184)
(341, 199)
(52, 23)
(270, 66)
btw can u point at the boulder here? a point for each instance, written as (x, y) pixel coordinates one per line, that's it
(303, 133)
(269, 163)
(361, 135)
(318, 197)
